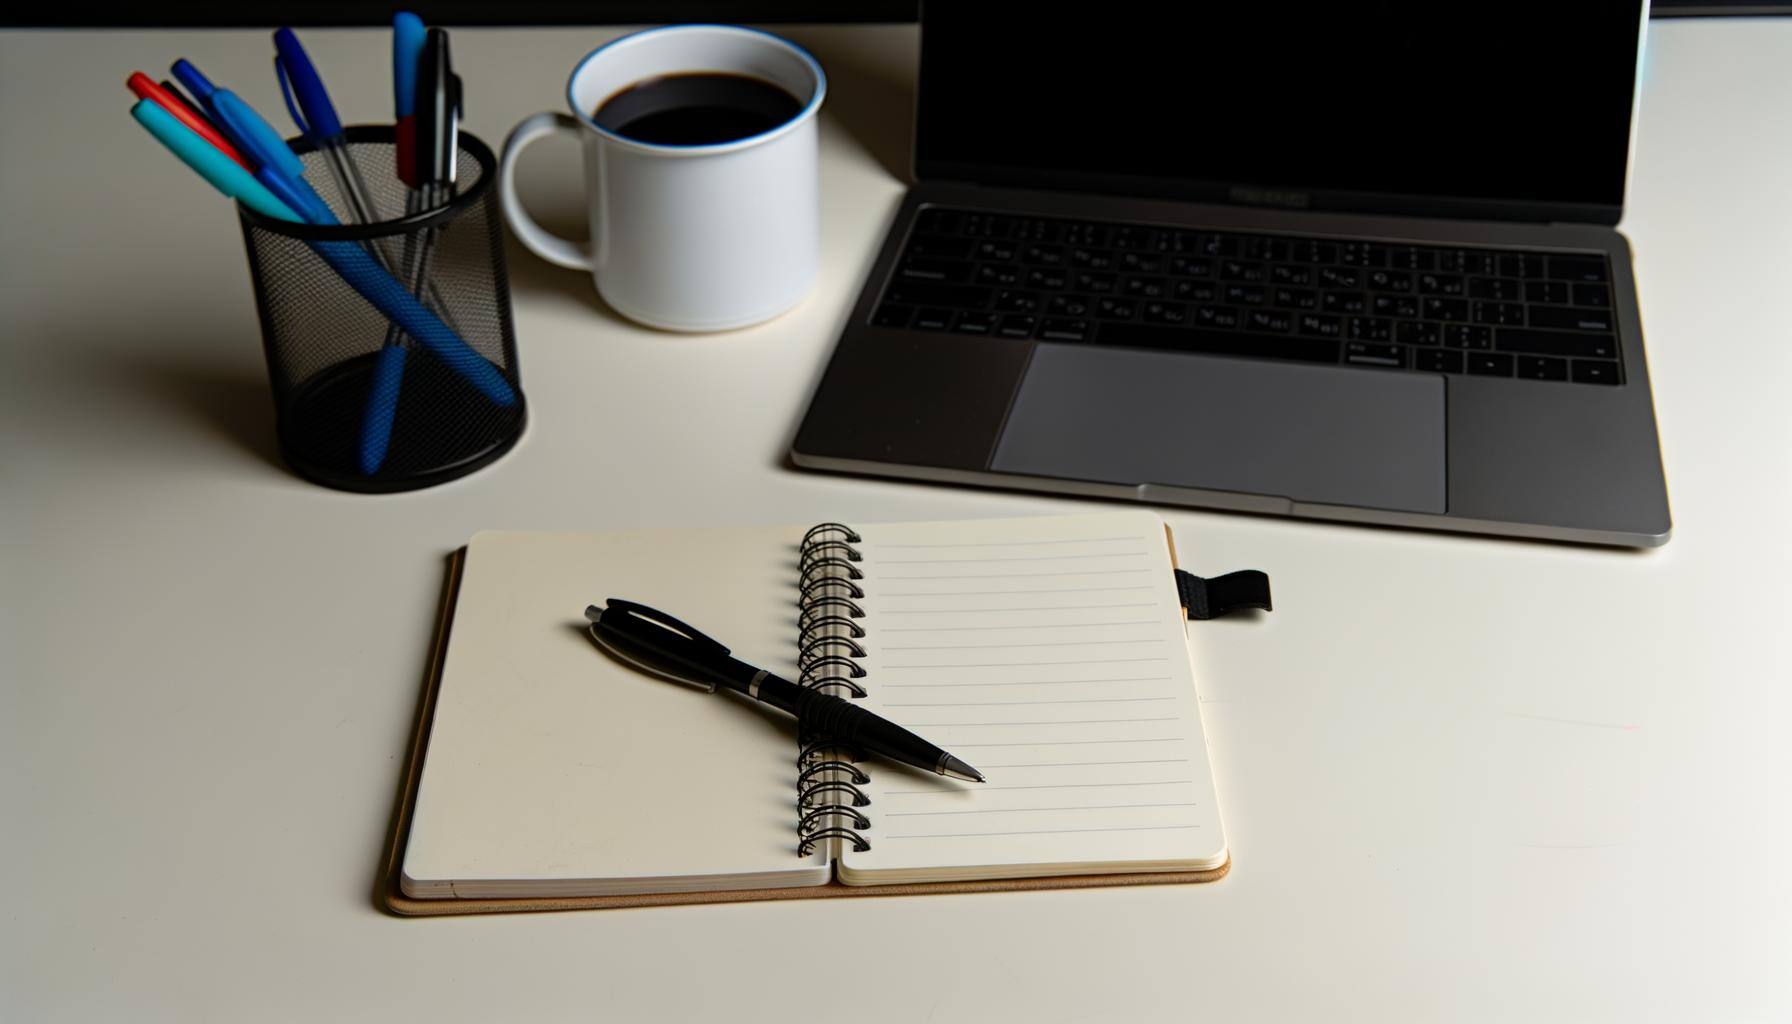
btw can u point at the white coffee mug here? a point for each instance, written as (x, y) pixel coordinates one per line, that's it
(688, 238)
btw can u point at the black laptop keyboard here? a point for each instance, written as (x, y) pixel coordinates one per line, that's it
(1491, 312)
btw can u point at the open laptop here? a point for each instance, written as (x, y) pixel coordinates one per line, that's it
(1343, 261)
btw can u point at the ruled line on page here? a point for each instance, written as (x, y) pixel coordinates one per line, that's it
(992, 593)
(1006, 558)
(1035, 625)
(1071, 721)
(1029, 643)
(1019, 810)
(1041, 832)
(1073, 785)
(1019, 664)
(1034, 608)
(1070, 743)
(1003, 543)
(1033, 682)
(1084, 764)
(1013, 575)
(1021, 703)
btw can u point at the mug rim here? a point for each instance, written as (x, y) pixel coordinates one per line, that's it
(584, 118)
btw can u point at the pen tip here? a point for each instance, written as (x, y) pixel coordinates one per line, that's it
(959, 770)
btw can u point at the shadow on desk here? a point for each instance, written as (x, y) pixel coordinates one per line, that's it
(224, 400)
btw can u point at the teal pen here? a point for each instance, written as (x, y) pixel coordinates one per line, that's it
(350, 262)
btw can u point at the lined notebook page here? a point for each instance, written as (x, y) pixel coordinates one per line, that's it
(1051, 654)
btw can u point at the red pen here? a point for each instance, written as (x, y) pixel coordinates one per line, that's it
(146, 88)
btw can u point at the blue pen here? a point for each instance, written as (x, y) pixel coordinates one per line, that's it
(276, 166)
(349, 261)
(304, 91)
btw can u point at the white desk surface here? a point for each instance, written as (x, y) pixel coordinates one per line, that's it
(1463, 779)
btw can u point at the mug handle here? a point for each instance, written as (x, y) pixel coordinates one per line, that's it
(539, 240)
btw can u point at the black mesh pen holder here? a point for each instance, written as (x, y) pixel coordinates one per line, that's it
(391, 348)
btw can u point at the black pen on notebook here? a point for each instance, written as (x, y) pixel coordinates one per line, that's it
(660, 645)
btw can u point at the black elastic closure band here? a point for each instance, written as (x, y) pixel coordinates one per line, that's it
(1210, 598)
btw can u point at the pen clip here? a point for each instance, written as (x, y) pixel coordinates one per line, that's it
(615, 647)
(292, 104)
(657, 618)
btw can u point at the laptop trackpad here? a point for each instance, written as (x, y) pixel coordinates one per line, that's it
(1317, 434)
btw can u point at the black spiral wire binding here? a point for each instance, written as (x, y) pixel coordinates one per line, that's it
(828, 655)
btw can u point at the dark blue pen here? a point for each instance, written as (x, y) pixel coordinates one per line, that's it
(311, 109)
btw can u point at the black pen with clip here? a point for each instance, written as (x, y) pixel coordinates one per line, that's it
(660, 645)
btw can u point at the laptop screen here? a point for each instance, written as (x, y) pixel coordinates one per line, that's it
(1377, 104)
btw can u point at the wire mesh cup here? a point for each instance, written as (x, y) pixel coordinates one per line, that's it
(391, 347)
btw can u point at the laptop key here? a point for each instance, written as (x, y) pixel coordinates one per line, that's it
(1548, 291)
(1296, 298)
(934, 220)
(1219, 245)
(1502, 288)
(1365, 353)
(1592, 295)
(1577, 268)
(1062, 329)
(1217, 316)
(1489, 364)
(1259, 248)
(1369, 328)
(1514, 264)
(1475, 337)
(1242, 270)
(1043, 255)
(1389, 281)
(1017, 302)
(1394, 305)
(1363, 254)
(1116, 309)
(1343, 302)
(1557, 343)
(1004, 275)
(1191, 266)
(1503, 313)
(1049, 279)
(1246, 294)
(938, 247)
(1172, 313)
(1437, 360)
(1319, 325)
(1411, 257)
(1269, 321)
(1091, 259)
(1290, 273)
(975, 323)
(1595, 371)
(1068, 305)
(1093, 282)
(1542, 368)
(948, 271)
(962, 296)
(1313, 252)
(1002, 252)
(1571, 318)
(933, 319)
(1196, 291)
(1418, 332)
(1440, 284)
(1212, 342)
(891, 315)
(1016, 326)
(1145, 287)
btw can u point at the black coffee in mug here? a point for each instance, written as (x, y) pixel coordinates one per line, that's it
(698, 109)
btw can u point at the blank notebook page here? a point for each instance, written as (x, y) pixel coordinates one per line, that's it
(1052, 655)
(552, 770)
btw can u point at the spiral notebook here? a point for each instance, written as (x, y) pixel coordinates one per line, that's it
(1050, 652)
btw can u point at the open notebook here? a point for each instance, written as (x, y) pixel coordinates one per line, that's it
(1049, 652)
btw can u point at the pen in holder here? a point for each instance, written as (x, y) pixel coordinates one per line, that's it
(361, 405)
